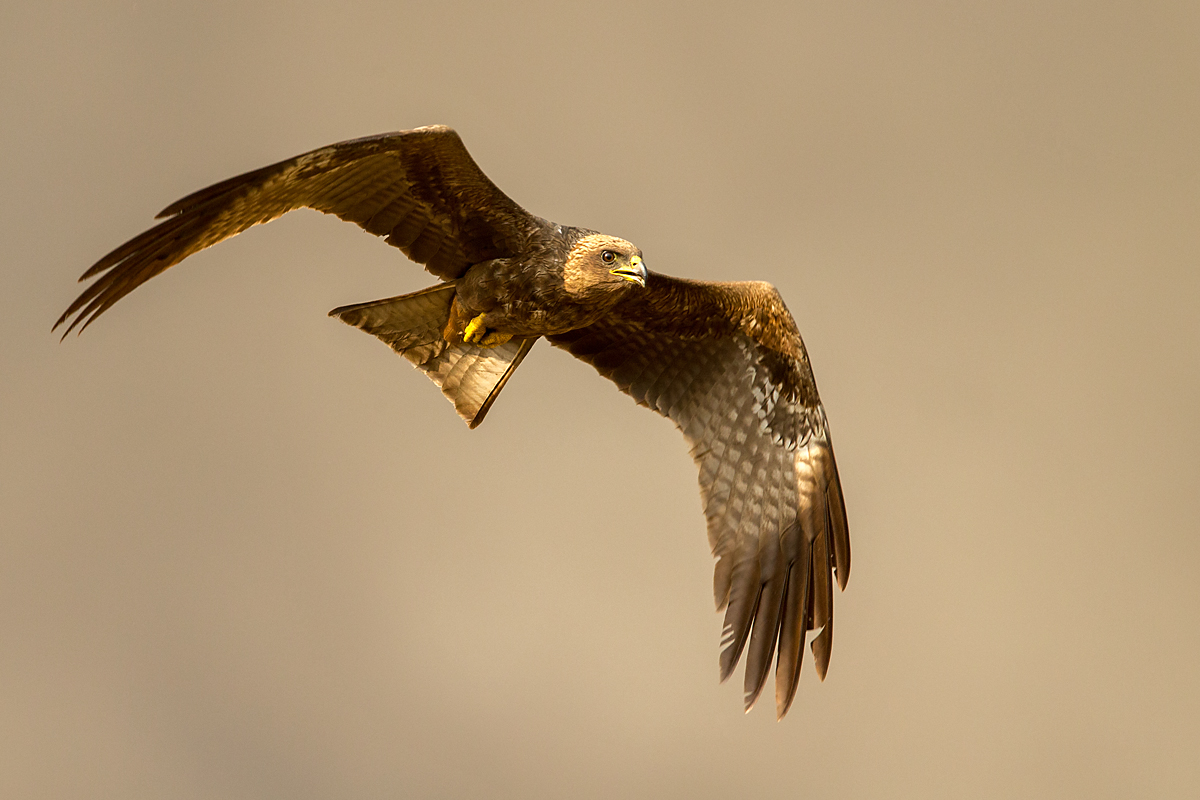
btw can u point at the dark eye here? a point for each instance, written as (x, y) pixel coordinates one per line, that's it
(608, 256)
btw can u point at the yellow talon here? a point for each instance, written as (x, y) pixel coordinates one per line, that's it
(477, 333)
(475, 329)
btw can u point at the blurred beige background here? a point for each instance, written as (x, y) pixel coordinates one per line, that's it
(247, 552)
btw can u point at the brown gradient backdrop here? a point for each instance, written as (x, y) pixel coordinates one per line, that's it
(248, 552)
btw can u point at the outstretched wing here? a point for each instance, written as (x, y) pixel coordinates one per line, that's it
(419, 188)
(725, 363)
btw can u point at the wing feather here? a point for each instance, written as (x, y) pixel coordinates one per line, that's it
(792, 629)
(766, 623)
(420, 189)
(725, 363)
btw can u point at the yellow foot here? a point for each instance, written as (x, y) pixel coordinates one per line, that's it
(475, 330)
(494, 339)
(477, 333)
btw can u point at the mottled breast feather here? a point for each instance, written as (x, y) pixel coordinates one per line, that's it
(725, 363)
(420, 189)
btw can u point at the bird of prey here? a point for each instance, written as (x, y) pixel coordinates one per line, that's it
(723, 361)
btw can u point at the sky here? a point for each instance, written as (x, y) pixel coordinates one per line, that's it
(246, 551)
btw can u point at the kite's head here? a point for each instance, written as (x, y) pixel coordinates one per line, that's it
(603, 262)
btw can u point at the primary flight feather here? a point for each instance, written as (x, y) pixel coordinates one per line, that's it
(723, 361)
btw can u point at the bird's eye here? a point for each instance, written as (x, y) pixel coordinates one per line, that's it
(608, 256)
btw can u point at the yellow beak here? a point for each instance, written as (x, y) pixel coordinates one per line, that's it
(634, 271)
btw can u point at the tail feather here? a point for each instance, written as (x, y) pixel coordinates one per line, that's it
(469, 375)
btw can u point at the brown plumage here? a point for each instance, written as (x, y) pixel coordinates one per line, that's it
(723, 361)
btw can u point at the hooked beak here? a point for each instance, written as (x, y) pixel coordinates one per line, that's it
(634, 271)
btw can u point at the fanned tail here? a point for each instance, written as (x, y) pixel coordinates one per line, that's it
(470, 376)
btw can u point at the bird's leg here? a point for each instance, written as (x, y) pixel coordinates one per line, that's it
(462, 327)
(454, 325)
(477, 333)
(495, 339)
(475, 329)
